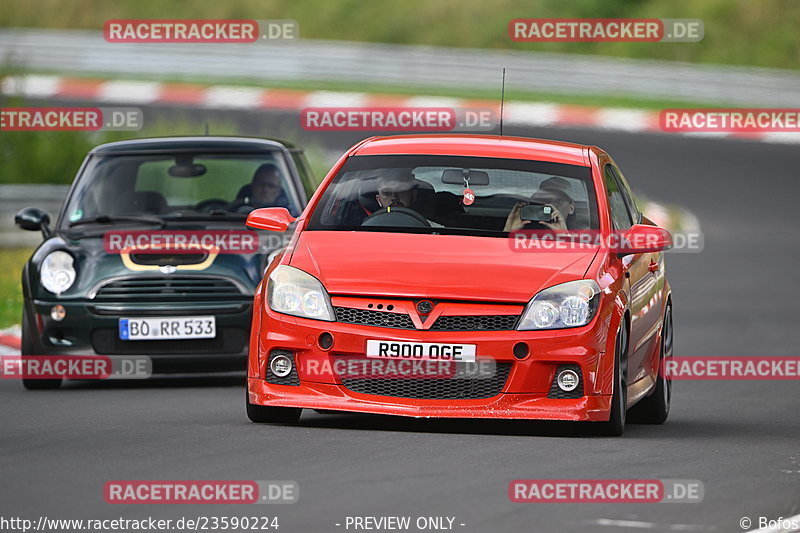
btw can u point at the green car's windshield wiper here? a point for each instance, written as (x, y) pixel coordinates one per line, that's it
(106, 219)
(214, 214)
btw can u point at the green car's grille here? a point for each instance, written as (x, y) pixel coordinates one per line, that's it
(169, 289)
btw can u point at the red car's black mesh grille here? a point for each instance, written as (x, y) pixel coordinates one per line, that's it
(384, 319)
(475, 323)
(435, 388)
(366, 317)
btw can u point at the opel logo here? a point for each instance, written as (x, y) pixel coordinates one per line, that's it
(424, 307)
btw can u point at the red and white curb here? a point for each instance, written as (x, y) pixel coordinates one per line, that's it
(516, 113)
(10, 342)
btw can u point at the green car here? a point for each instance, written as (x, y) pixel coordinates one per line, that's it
(150, 257)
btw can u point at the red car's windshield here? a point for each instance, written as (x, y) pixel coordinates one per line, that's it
(460, 195)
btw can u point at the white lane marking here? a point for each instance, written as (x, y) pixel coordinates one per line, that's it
(135, 92)
(433, 101)
(709, 134)
(335, 99)
(624, 119)
(787, 137)
(530, 114)
(7, 350)
(222, 96)
(31, 86)
(638, 524)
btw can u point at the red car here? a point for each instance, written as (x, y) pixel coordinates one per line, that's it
(420, 281)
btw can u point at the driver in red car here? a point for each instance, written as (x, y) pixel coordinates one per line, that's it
(399, 191)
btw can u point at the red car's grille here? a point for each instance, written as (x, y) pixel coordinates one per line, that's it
(475, 323)
(366, 317)
(384, 319)
(435, 388)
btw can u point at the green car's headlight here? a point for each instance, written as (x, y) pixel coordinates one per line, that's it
(568, 305)
(57, 273)
(294, 292)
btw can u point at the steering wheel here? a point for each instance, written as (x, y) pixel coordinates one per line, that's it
(398, 217)
(211, 203)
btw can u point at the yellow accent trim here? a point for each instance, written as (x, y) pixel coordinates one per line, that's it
(130, 265)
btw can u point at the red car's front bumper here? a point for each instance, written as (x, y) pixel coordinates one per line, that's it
(523, 394)
(523, 406)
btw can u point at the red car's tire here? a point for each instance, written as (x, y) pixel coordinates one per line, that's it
(619, 400)
(261, 414)
(654, 409)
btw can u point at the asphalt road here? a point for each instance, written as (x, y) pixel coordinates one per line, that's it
(741, 439)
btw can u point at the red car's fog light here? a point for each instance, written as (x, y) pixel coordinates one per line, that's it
(567, 380)
(281, 366)
(568, 383)
(281, 369)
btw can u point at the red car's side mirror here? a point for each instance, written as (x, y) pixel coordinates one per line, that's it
(641, 238)
(270, 218)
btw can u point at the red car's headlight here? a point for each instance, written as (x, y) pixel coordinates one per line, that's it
(568, 305)
(294, 292)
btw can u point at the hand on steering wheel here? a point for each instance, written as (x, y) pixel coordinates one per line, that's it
(211, 203)
(396, 216)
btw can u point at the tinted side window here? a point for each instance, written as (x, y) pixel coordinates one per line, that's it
(628, 196)
(616, 202)
(310, 182)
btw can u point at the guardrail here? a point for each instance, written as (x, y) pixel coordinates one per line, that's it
(83, 52)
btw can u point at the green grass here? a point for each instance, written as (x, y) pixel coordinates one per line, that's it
(11, 262)
(737, 32)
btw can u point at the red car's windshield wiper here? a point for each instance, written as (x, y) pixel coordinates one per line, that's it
(106, 219)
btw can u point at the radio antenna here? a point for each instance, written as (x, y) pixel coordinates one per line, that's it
(502, 100)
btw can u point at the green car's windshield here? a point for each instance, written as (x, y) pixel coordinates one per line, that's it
(139, 188)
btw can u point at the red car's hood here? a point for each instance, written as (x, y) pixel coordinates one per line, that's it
(432, 266)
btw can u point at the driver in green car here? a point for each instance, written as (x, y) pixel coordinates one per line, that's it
(265, 190)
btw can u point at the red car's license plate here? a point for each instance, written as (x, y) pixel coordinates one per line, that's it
(420, 350)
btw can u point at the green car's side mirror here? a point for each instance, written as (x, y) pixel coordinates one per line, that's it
(33, 219)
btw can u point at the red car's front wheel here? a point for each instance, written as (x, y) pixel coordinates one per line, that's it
(655, 408)
(619, 400)
(262, 414)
